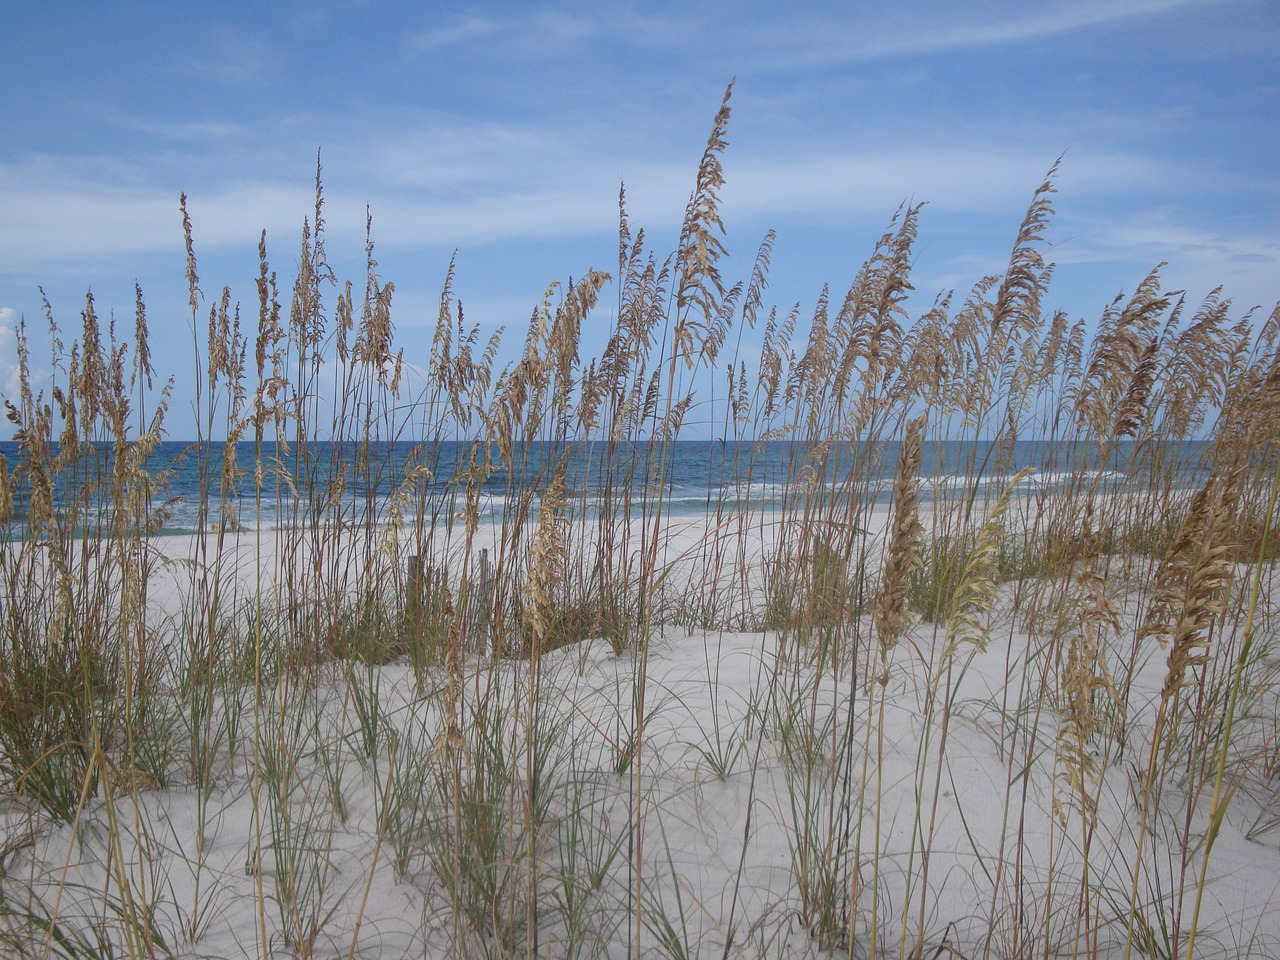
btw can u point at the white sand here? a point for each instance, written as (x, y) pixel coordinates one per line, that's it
(717, 808)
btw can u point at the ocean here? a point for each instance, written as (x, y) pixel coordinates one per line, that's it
(323, 480)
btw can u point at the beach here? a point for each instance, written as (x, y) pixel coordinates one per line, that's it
(699, 788)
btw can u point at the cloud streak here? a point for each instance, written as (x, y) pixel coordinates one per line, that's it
(57, 221)
(539, 33)
(913, 32)
(493, 183)
(10, 373)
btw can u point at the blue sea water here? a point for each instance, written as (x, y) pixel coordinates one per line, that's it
(320, 481)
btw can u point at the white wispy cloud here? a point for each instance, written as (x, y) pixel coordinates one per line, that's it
(961, 178)
(461, 30)
(530, 30)
(10, 383)
(1200, 258)
(234, 55)
(53, 220)
(489, 182)
(910, 30)
(178, 131)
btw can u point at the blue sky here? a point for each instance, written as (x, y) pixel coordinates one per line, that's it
(503, 130)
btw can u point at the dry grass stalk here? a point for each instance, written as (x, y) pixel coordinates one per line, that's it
(906, 537)
(548, 557)
(1192, 583)
(976, 590)
(1190, 593)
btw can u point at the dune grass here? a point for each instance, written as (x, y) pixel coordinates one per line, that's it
(986, 714)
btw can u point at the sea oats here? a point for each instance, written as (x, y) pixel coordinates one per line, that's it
(1122, 341)
(903, 556)
(976, 589)
(1132, 410)
(1017, 300)
(699, 250)
(6, 492)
